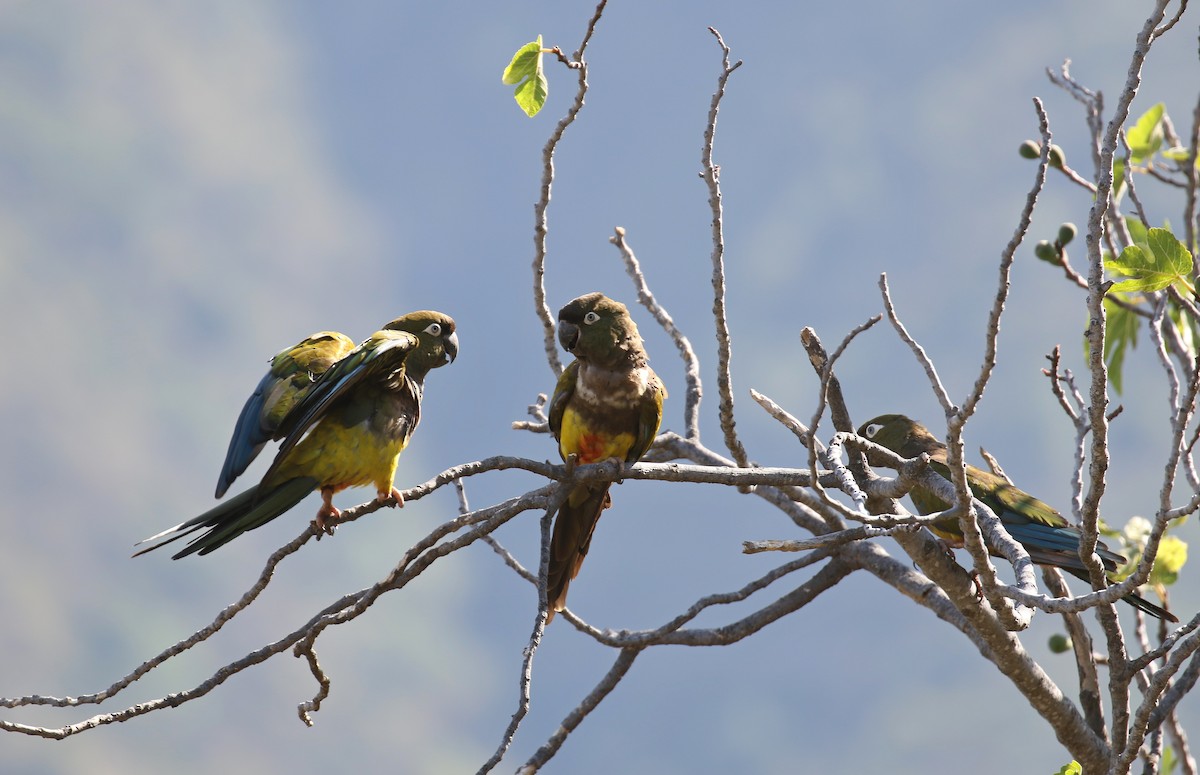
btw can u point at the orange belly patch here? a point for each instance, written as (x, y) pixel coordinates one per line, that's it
(589, 446)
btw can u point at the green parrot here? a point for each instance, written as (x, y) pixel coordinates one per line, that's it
(1046, 535)
(344, 427)
(607, 404)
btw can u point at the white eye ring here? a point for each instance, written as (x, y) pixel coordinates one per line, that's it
(590, 318)
(434, 329)
(872, 429)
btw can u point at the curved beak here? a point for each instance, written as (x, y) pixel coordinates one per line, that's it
(450, 345)
(568, 335)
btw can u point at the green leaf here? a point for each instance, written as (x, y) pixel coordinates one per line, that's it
(1162, 262)
(1074, 768)
(1146, 136)
(1118, 186)
(1172, 554)
(525, 72)
(1121, 333)
(1169, 760)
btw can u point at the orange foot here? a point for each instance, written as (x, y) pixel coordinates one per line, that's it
(328, 514)
(382, 497)
(978, 586)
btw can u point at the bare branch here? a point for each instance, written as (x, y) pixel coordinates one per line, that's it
(793, 424)
(831, 394)
(1005, 270)
(1081, 641)
(1193, 181)
(541, 224)
(306, 709)
(535, 637)
(829, 539)
(1093, 104)
(934, 380)
(691, 410)
(609, 682)
(711, 173)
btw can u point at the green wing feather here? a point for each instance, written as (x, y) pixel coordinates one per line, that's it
(563, 390)
(649, 420)
(291, 376)
(382, 353)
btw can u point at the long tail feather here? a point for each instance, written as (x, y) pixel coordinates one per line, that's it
(1134, 599)
(226, 521)
(573, 528)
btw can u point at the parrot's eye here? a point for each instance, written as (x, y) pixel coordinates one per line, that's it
(434, 329)
(590, 318)
(872, 429)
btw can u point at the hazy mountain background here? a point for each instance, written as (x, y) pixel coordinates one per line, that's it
(186, 188)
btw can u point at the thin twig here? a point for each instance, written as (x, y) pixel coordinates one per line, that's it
(711, 173)
(609, 682)
(691, 364)
(541, 225)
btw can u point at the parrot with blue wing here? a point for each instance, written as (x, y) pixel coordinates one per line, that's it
(1048, 537)
(343, 422)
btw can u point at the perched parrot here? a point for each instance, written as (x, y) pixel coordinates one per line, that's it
(607, 404)
(1046, 535)
(345, 426)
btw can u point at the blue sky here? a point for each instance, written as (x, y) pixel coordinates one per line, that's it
(188, 188)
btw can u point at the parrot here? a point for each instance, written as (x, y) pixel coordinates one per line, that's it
(1048, 537)
(607, 404)
(343, 427)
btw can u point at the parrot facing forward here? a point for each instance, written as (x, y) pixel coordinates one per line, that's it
(1046, 534)
(343, 422)
(607, 404)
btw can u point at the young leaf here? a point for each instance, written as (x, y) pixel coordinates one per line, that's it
(1121, 331)
(1162, 262)
(1178, 153)
(525, 72)
(1169, 760)
(1172, 554)
(1074, 768)
(1146, 136)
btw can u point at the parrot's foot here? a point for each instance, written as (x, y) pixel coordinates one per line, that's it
(978, 586)
(383, 496)
(327, 516)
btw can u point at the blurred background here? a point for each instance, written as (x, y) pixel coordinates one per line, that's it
(186, 188)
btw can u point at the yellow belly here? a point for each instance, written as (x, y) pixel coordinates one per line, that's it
(590, 446)
(341, 457)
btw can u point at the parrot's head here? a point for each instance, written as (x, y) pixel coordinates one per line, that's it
(438, 343)
(596, 329)
(899, 434)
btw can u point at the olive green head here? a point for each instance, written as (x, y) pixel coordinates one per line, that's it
(596, 329)
(900, 434)
(438, 342)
